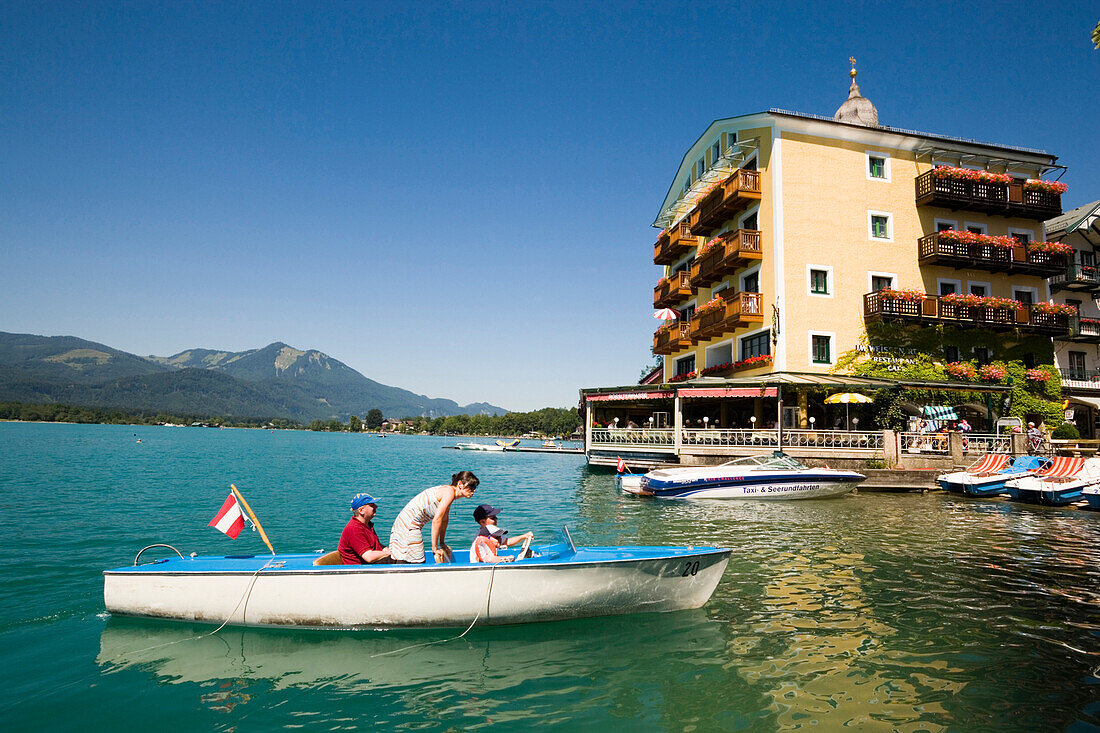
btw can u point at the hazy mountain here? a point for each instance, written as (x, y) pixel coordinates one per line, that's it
(275, 381)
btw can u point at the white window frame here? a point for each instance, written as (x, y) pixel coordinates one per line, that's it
(810, 346)
(977, 225)
(1020, 230)
(871, 275)
(957, 283)
(953, 222)
(728, 342)
(1034, 292)
(830, 283)
(750, 334)
(988, 287)
(885, 167)
(754, 270)
(889, 226)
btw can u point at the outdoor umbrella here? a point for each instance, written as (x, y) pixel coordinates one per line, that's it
(666, 314)
(847, 398)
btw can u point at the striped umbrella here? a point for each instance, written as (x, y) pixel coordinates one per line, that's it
(847, 398)
(666, 314)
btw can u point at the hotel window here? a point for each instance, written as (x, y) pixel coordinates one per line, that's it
(751, 283)
(687, 313)
(947, 287)
(685, 365)
(951, 353)
(821, 349)
(1021, 237)
(880, 226)
(977, 228)
(750, 222)
(1024, 296)
(980, 289)
(715, 152)
(819, 282)
(1077, 365)
(876, 166)
(1029, 360)
(700, 167)
(982, 355)
(878, 282)
(749, 165)
(756, 345)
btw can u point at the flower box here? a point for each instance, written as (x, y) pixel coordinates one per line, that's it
(1037, 375)
(1034, 184)
(966, 174)
(1053, 247)
(992, 373)
(753, 361)
(711, 305)
(960, 370)
(996, 240)
(1055, 309)
(909, 295)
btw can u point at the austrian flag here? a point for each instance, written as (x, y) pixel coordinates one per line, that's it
(229, 519)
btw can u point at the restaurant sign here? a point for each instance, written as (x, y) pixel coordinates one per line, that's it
(894, 357)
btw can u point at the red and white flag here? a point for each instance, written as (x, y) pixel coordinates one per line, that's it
(621, 467)
(229, 519)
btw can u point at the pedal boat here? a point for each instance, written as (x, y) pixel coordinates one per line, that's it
(557, 582)
(771, 476)
(988, 476)
(1062, 483)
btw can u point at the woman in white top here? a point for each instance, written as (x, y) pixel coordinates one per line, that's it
(407, 538)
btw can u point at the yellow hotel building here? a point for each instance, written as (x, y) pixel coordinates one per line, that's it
(781, 231)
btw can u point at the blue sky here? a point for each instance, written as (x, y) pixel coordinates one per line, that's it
(452, 198)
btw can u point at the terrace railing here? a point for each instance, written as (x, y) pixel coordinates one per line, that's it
(1009, 199)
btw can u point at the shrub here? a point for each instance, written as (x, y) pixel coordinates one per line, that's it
(1065, 431)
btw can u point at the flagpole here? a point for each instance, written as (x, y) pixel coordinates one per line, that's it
(252, 516)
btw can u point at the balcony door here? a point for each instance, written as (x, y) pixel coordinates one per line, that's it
(1077, 365)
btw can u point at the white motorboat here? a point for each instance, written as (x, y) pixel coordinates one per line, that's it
(497, 447)
(771, 476)
(557, 582)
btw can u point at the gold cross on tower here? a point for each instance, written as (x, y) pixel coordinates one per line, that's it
(852, 73)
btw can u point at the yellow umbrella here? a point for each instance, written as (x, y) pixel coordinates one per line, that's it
(847, 398)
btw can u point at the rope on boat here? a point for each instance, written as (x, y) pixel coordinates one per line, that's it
(488, 596)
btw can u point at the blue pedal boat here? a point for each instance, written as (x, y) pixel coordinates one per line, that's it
(978, 482)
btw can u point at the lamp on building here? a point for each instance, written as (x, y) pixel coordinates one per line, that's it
(855, 423)
(705, 421)
(650, 421)
(753, 421)
(616, 421)
(812, 421)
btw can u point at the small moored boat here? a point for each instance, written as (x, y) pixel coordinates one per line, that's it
(988, 476)
(557, 582)
(772, 476)
(1061, 483)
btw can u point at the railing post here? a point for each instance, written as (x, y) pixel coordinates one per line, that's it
(587, 427)
(891, 448)
(678, 424)
(1019, 444)
(955, 447)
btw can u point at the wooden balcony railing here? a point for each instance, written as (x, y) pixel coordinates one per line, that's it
(674, 244)
(735, 250)
(1077, 277)
(670, 340)
(936, 249)
(933, 309)
(722, 204)
(1008, 199)
(675, 289)
(740, 309)
(1083, 330)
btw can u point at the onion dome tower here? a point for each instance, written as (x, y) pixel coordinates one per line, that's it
(856, 109)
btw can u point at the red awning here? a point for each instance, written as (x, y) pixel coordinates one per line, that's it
(626, 396)
(729, 392)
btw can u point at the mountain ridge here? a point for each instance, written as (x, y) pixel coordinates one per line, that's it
(277, 380)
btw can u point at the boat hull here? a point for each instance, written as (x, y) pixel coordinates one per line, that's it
(783, 485)
(972, 485)
(1034, 491)
(292, 592)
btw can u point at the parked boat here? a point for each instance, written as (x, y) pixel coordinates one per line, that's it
(1092, 495)
(629, 483)
(497, 447)
(557, 582)
(772, 476)
(1061, 483)
(988, 476)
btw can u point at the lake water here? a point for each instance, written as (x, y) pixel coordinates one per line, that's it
(910, 612)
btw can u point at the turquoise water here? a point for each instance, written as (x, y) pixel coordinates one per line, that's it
(875, 612)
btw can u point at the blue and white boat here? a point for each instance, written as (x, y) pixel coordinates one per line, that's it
(1092, 495)
(1061, 483)
(554, 582)
(772, 476)
(983, 480)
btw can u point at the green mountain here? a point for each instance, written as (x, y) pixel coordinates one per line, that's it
(275, 381)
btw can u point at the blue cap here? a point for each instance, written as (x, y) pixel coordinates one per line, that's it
(483, 511)
(362, 499)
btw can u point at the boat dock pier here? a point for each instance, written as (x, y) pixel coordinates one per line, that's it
(530, 449)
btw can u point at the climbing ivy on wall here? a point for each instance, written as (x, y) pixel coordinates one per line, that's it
(916, 353)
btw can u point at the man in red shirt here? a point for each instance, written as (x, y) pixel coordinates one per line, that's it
(359, 543)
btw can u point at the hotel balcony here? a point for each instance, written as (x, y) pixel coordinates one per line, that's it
(1080, 379)
(674, 244)
(1082, 330)
(1007, 199)
(931, 309)
(938, 250)
(673, 290)
(733, 251)
(1076, 277)
(738, 310)
(725, 201)
(673, 338)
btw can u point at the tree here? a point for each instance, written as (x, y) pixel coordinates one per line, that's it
(355, 425)
(374, 419)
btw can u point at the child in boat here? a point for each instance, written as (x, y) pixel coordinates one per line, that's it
(491, 537)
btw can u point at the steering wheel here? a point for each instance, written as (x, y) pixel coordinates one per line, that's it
(524, 549)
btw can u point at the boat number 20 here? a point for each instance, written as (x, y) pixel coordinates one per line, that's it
(690, 568)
